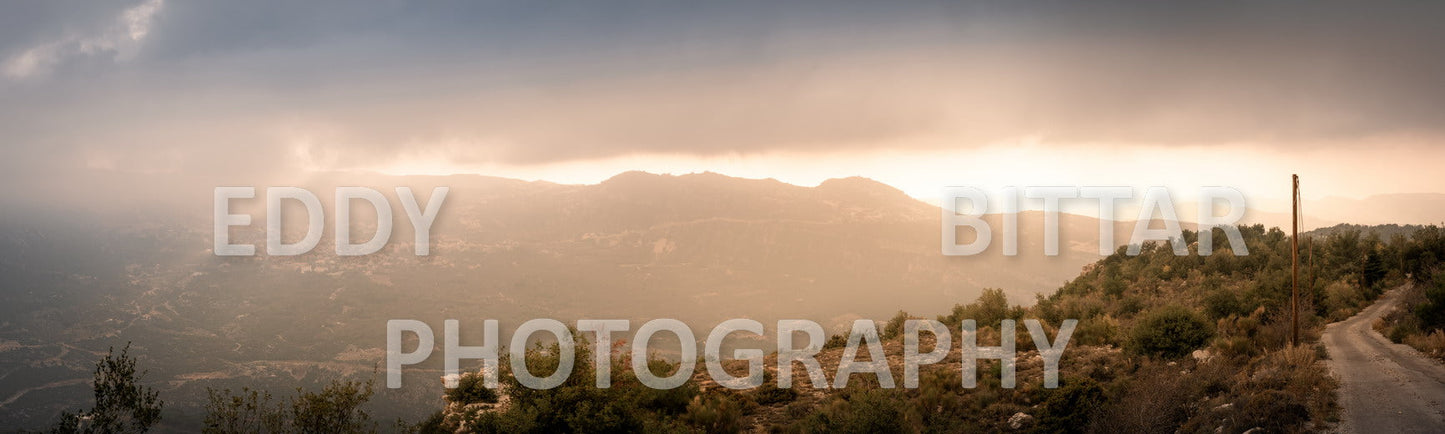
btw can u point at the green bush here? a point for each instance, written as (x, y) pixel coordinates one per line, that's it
(769, 393)
(431, 425)
(894, 328)
(1099, 330)
(1171, 331)
(1070, 408)
(471, 389)
(1222, 303)
(863, 412)
(1404, 328)
(714, 415)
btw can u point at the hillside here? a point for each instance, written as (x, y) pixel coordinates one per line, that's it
(1164, 343)
(699, 248)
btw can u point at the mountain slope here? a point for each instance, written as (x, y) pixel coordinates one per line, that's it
(700, 248)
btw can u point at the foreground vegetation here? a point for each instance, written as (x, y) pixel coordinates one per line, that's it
(122, 404)
(1420, 321)
(1164, 343)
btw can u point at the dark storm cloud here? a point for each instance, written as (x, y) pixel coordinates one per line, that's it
(276, 85)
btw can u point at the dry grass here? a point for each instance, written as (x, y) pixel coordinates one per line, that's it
(1432, 345)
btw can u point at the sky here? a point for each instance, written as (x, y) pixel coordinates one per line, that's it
(918, 95)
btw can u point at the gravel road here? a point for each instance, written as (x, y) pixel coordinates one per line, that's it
(1384, 387)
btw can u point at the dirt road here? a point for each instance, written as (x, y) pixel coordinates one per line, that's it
(1384, 387)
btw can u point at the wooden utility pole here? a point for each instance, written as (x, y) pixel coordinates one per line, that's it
(1294, 266)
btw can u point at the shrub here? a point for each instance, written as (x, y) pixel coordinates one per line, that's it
(1171, 331)
(250, 411)
(1100, 330)
(715, 414)
(1154, 399)
(1237, 347)
(471, 389)
(1272, 410)
(431, 425)
(1072, 407)
(1129, 305)
(1223, 302)
(871, 411)
(1432, 310)
(577, 405)
(1114, 286)
(1285, 390)
(335, 409)
(1432, 344)
(1342, 300)
(1402, 330)
(769, 393)
(894, 328)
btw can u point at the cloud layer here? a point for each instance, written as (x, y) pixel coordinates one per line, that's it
(211, 86)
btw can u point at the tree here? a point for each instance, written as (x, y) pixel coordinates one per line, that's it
(894, 328)
(991, 308)
(335, 409)
(1373, 272)
(1432, 311)
(122, 405)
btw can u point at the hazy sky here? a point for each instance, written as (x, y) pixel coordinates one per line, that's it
(918, 95)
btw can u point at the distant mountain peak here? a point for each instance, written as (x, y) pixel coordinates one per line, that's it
(633, 176)
(858, 184)
(638, 177)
